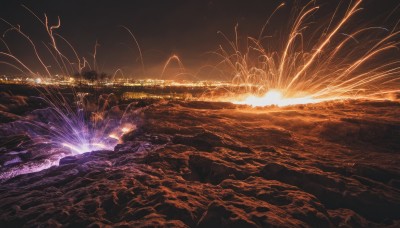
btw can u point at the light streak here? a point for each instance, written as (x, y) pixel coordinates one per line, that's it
(345, 62)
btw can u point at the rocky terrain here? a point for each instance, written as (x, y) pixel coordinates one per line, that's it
(204, 164)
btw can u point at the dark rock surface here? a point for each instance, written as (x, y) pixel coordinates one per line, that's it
(199, 164)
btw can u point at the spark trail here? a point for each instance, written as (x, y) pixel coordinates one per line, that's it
(344, 62)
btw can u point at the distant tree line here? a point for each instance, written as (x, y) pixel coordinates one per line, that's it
(92, 75)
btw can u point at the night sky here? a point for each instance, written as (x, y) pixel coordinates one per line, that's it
(185, 28)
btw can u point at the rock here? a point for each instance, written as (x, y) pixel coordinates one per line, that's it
(207, 165)
(128, 147)
(217, 215)
(13, 141)
(205, 169)
(68, 160)
(207, 141)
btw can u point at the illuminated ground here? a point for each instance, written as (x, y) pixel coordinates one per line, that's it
(217, 164)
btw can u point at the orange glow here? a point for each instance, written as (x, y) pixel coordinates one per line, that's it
(273, 97)
(342, 63)
(118, 133)
(113, 136)
(126, 129)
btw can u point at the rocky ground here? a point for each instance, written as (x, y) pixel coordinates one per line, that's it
(202, 164)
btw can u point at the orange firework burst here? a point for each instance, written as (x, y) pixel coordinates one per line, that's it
(341, 63)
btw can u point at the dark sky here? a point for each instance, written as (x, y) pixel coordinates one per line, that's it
(162, 27)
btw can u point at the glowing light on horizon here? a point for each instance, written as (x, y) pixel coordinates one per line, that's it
(273, 97)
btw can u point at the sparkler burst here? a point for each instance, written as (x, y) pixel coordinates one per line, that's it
(80, 128)
(343, 62)
(72, 124)
(67, 128)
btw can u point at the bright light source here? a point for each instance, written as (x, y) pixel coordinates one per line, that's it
(80, 149)
(274, 97)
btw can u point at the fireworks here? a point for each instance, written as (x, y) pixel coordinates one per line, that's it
(78, 127)
(342, 63)
(68, 126)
